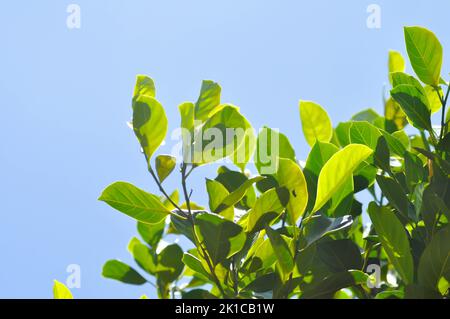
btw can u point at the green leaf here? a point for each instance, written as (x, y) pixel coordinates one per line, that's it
(425, 54)
(196, 265)
(233, 180)
(395, 144)
(393, 112)
(263, 283)
(396, 63)
(186, 110)
(270, 146)
(364, 133)
(414, 170)
(169, 263)
(144, 86)
(151, 233)
(134, 202)
(208, 100)
(327, 287)
(237, 195)
(60, 291)
(399, 78)
(164, 166)
(395, 194)
(290, 176)
(149, 123)
(390, 294)
(281, 250)
(217, 138)
(433, 98)
(337, 171)
(340, 255)
(244, 152)
(414, 104)
(319, 155)
(117, 270)
(343, 133)
(222, 237)
(394, 240)
(435, 261)
(267, 207)
(217, 193)
(368, 115)
(142, 255)
(197, 294)
(382, 155)
(316, 123)
(318, 226)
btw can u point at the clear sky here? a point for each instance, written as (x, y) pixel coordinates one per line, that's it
(65, 99)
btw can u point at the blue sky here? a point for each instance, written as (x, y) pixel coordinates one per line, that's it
(65, 99)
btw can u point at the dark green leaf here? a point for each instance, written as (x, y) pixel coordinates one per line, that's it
(117, 270)
(394, 240)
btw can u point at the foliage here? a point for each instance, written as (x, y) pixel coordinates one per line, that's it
(297, 231)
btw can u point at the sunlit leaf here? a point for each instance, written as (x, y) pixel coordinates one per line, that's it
(267, 207)
(425, 54)
(142, 255)
(208, 100)
(217, 193)
(134, 202)
(237, 195)
(393, 112)
(60, 291)
(270, 146)
(290, 176)
(396, 62)
(164, 166)
(144, 86)
(316, 124)
(337, 170)
(149, 123)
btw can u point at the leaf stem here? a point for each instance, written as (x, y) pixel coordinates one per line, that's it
(203, 251)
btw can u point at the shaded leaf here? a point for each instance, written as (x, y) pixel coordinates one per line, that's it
(394, 240)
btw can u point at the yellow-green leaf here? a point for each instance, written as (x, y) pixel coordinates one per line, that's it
(134, 202)
(425, 54)
(291, 176)
(267, 207)
(208, 100)
(393, 112)
(149, 123)
(60, 291)
(217, 138)
(217, 193)
(434, 102)
(396, 62)
(337, 170)
(164, 166)
(187, 115)
(144, 86)
(316, 124)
